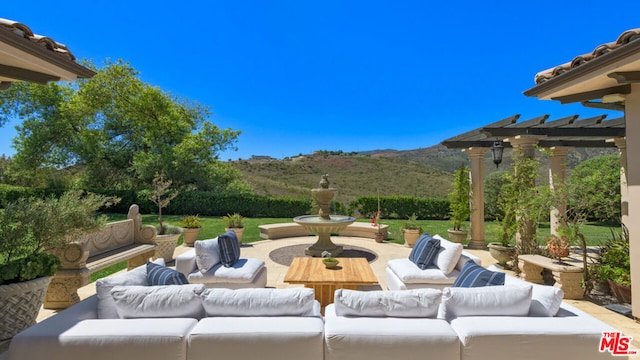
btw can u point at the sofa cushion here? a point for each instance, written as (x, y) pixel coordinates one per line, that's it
(424, 251)
(169, 301)
(448, 256)
(508, 300)
(400, 303)
(258, 302)
(207, 254)
(545, 300)
(474, 275)
(106, 306)
(229, 248)
(161, 275)
(242, 271)
(409, 273)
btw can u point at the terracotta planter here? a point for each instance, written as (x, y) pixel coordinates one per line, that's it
(621, 292)
(502, 254)
(410, 237)
(378, 237)
(189, 236)
(457, 236)
(20, 304)
(238, 232)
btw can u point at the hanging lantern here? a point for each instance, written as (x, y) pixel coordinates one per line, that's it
(496, 152)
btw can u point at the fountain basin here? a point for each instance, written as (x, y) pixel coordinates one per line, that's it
(324, 228)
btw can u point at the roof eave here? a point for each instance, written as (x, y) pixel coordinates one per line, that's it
(42, 53)
(585, 69)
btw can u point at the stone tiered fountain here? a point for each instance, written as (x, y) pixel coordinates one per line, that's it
(324, 223)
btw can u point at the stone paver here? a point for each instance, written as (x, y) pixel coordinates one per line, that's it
(385, 251)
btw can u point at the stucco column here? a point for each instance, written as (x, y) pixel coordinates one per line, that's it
(526, 143)
(621, 144)
(557, 177)
(476, 164)
(632, 116)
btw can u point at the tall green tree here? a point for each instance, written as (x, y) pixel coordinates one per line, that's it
(595, 188)
(120, 131)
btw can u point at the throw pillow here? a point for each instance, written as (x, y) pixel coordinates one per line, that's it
(207, 254)
(159, 301)
(229, 248)
(545, 300)
(160, 275)
(448, 256)
(422, 303)
(474, 275)
(259, 302)
(424, 251)
(106, 306)
(508, 300)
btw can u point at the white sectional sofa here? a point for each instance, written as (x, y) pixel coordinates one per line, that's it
(403, 274)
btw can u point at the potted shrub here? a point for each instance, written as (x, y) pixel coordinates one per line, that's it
(411, 231)
(615, 266)
(31, 233)
(330, 263)
(459, 204)
(235, 222)
(190, 229)
(167, 238)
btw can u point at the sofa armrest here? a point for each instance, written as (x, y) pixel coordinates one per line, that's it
(186, 263)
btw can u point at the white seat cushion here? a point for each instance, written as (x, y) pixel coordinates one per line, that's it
(409, 273)
(505, 300)
(242, 271)
(401, 303)
(259, 302)
(167, 301)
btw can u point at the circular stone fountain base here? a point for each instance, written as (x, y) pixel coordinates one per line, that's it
(324, 227)
(318, 252)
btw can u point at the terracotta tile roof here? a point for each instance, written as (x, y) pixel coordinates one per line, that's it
(624, 38)
(24, 31)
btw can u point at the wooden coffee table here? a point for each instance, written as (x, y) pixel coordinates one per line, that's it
(312, 273)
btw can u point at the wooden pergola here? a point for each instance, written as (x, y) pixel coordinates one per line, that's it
(558, 135)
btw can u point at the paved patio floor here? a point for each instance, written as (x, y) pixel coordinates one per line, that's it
(385, 251)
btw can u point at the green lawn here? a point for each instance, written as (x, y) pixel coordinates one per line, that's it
(212, 226)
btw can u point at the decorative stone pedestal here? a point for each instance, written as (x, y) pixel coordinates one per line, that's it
(567, 277)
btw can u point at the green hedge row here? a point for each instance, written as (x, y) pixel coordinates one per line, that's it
(401, 207)
(213, 204)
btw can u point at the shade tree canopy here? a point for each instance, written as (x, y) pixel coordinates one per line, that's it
(118, 131)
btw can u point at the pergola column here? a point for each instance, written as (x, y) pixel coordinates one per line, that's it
(527, 144)
(621, 144)
(632, 119)
(476, 164)
(557, 177)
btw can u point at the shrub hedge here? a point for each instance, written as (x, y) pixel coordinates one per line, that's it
(213, 204)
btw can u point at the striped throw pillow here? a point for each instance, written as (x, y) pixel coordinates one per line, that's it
(425, 251)
(229, 248)
(160, 275)
(474, 275)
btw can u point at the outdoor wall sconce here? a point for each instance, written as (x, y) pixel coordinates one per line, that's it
(496, 152)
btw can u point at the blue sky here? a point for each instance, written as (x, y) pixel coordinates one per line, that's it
(299, 76)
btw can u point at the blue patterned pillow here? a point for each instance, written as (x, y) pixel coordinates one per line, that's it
(474, 275)
(424, 251)
(160, 275)
(229, 248)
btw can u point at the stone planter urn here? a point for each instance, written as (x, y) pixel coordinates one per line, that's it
(20, 304)
(166, 246)
(457, 236)
(501, 253)
(410, 237)
(189, 236)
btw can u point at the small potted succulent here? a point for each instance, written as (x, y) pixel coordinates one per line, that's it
(330, 262)
(411, 231)
(190, 229)
(235, 222)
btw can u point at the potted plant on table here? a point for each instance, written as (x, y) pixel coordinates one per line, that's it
(235, 222)
(167, 238)
(32, 231)
(190, 229)
(459, 204)
(411, 231)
